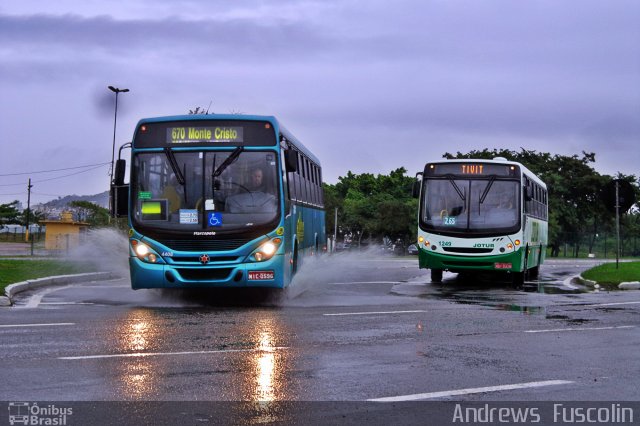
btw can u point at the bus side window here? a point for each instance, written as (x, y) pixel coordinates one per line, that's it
(300, 197)
(293, 185)
(305, 169)
(286, 184)
(321, 188)
(302, 194)
(314, 175)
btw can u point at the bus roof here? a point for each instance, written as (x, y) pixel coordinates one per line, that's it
(201, 117)
(499, 160)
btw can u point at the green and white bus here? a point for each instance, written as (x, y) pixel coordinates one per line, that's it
(481, 215)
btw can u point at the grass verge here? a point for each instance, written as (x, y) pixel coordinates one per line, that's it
(607, 275)
(13, 271)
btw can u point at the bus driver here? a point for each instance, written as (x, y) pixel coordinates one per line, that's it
(256, 199)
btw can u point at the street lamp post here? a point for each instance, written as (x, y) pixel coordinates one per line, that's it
(113, 149)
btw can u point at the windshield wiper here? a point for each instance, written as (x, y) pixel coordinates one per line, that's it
(455, 186)
(174, 166)
(213, 178)
(179, 174)
(226, 163)
(486, 190)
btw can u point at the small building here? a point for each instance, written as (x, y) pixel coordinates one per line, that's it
(64, 234)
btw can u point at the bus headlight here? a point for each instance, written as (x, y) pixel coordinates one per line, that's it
(267, 250)
(145, 253)
(142, 250)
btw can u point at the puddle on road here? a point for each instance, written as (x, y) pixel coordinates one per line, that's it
(490, 291)
(571, 321)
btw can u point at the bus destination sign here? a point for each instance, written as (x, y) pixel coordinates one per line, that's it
(189, 134)
(471, 169)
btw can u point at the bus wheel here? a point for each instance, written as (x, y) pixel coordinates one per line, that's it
(518, 279)
(436, 275)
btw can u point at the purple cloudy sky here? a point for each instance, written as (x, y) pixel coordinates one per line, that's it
(369, 86)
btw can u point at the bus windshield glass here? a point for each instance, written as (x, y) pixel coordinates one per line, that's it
(199, 191)
(472, 206)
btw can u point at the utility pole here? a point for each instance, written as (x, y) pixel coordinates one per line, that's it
(115, 90)
(29, 186)
(335, 230)
(617, 222)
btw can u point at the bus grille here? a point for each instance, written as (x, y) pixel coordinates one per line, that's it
(204, 274)
(205, 245)
(212, 259)
(475, 250)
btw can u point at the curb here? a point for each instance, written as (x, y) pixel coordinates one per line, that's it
(12, 290)
(632, 285)
(585, 281)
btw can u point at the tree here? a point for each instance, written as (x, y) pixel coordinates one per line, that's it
(31, 217)
(9, 213)
(91, 213)
(373, 207)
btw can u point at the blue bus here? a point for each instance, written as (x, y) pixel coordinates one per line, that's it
(218, 201)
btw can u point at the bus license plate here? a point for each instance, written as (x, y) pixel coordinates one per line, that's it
(503, 265)
(261, 275)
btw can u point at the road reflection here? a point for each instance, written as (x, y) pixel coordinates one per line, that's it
(265, 368)
(268, 363)
(269, 381)
(236, 355)
(138, 334)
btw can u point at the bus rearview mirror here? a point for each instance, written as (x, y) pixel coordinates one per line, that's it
(415, 189)
(119, 200)
(118, 175)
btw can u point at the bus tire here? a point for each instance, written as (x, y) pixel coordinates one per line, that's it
(519, 279)
(535, 272)
(436, 275)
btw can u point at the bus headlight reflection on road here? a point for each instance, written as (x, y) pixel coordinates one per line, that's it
(266, 366)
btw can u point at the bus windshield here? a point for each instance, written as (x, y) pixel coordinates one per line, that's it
(471, 206)
(192, 191)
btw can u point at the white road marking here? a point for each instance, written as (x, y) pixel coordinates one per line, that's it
(615, 304)
(146, 354)
(372, 313)
(67, 303)
(456, 392)
(579, 329)
(37, 325)
(368, 282)
(34, 301)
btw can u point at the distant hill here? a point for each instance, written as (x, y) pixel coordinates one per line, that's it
(101, 199)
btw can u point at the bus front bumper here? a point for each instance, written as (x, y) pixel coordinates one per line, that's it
(508, 262)
(269, 273)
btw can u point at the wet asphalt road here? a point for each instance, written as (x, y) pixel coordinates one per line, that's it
(351, 330)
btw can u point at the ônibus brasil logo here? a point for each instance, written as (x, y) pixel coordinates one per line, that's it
(30, 413)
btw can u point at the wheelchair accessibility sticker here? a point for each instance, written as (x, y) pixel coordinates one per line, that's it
(214, 219)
